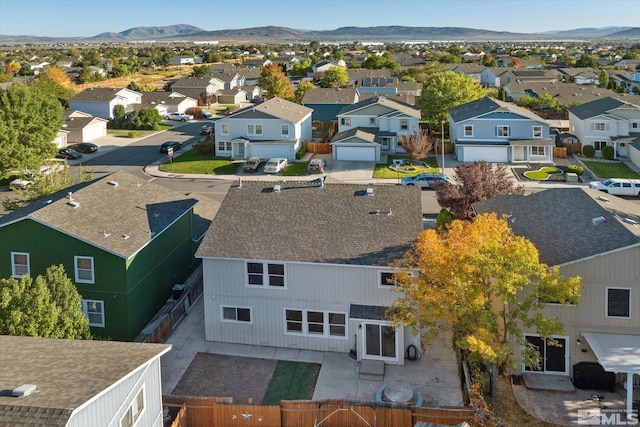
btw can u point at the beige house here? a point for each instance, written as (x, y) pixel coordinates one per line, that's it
(596, 236)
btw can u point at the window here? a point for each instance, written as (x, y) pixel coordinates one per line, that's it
(634, 125)
(387, 279)
(502, 131)
(254, 129)
(537, 151)
(537, 131)
(221, 145)
(404, 124)
(345, 121)
(599, 144)
(19, 264)
(316, 323)
(224, 128)
(468, 130)
(84, 269)
(372, 120)
(94, 310)
(619, 302)
(600, 126)
(284, 131)
(236, 314)
(135, 410)
(265, 274)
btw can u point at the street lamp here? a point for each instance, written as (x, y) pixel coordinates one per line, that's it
(442, 138)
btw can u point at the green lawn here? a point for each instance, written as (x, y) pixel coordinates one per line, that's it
(382, 170)
(542, 173)
(611, 170)
(124, 133)
(296, 169)
(291, 381)
(190, 162)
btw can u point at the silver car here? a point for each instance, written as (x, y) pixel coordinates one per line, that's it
(275, 165)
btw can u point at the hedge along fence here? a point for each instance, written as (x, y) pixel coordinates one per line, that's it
(219, 411)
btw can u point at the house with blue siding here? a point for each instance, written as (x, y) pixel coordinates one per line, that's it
(78, 383)
(124, 242)
(326, 103)
(499, 132)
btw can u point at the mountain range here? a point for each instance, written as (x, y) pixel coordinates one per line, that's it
(184, 32)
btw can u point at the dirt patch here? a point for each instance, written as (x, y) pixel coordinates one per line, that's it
(507, 409)
(245, 379)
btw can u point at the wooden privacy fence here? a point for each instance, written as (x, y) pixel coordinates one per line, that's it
(219, 411)
(575, 148)
(437, 148)
(559, 152)
(319, 147)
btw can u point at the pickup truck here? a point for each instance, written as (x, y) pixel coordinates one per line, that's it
(618, 186)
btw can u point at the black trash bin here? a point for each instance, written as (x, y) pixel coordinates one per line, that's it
(592, 376)
(178, 290)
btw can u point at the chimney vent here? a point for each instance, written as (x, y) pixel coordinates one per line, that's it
(23, 390)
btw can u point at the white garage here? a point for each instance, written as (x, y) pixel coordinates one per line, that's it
(270, 150)
(491, 154)
(365, 154)
(94, 131)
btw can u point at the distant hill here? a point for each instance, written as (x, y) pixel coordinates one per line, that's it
(275, 34)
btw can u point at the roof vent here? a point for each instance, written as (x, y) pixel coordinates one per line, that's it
(369, 191)
(105, 234)
(597, 220)
(603, 199)
(112, 183)
(277, 188)
(23, 390)
(73, 203)
(630, 221)
(389, 213)
(70, 195)
(125, 236)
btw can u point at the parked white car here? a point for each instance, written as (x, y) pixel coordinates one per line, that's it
(275, 165)
(618, 186)
(179, 117)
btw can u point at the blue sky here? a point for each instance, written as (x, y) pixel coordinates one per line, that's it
(80, 18)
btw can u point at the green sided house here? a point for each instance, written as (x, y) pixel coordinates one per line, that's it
(125, 242)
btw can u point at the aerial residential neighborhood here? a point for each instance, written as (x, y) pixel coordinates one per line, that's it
(402, 225)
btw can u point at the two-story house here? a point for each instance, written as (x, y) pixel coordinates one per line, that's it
(498, 132)
(100, 102)
(372, 126)
(606, 121)
(168, 102)
(600, 242)
(324, 286)
(124, 242)
(77, 383)
(274, 128)
(198, 88)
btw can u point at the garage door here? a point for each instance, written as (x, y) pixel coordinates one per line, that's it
(367, 154)
(271, 151)
(94, 131)
(488, 154)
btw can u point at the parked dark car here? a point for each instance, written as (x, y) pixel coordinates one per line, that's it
(68, 154)
(84, 147)
(254, 164)
(231, 111)
(316, 166)
(164, 148)
(206, 129)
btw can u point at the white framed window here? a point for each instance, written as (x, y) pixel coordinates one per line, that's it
(387, 279)
(537, 150)
(20, 264)
(503, 131)
(345, 121)
(254, 129)
(599, 126)
(134, 411)
(599, 144)
(221, 145)
(372, 120)
(235, 314)
(94, 310)
(537, 131)
(284, 130)
(404, 124)
(315, 323)
(83, 266)
(618, 302)
(224, 128)
(468, 130)
(634, 125)
(269, 274)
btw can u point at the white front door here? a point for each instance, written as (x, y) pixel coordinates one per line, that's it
(238, 149)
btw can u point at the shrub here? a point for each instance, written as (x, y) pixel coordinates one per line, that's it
(132, 134)
(588, 151)
(443, 219)
(301, 152)
(608, 152)
(577, 169)
(204, 147)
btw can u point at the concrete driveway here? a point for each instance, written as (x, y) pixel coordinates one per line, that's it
(347, 171)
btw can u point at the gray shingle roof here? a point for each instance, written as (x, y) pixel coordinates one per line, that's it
(487, 105)
(120, 219)
(594, 108)
(303, 222)
(330, 96)
(280, 109)
(67, 373)
(559, 222)
(393, 104)
(98, 94)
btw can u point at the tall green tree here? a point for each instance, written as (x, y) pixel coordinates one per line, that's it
(29, 121)
(273, 81)
(586, 61)
(335, 77)
(303, 87)
(444, 90)
(147, 118)
(604, 78)
(48, 306)
(485, 284)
